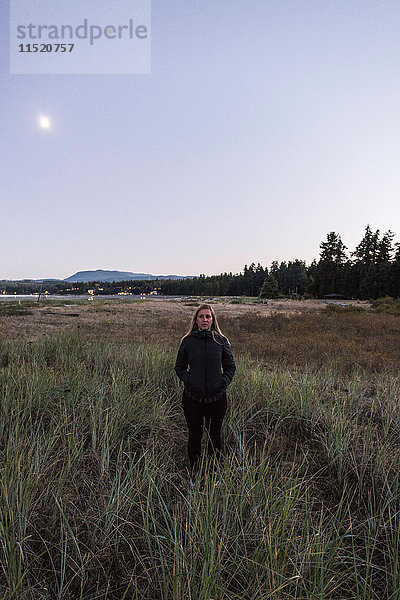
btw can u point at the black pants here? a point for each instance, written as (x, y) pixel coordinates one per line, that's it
(213, 414)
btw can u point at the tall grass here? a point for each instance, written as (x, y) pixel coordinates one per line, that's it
(94, 495)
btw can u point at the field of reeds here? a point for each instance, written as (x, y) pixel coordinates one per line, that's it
(94, 494)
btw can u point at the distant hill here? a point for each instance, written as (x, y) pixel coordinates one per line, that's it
(102, 275)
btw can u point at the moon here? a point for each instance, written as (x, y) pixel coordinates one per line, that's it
(44, 122)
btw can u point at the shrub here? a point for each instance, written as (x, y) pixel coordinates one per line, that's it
(343, 308)
(387, 305)
(13, 309)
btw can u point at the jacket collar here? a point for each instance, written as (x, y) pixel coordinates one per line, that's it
(202, 334)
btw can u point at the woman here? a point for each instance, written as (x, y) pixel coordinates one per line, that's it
(208, 355)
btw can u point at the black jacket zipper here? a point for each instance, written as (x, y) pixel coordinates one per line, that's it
(205, 363)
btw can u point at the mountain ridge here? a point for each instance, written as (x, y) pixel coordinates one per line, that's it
(106, 275)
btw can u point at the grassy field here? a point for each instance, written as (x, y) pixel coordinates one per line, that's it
(94, 497)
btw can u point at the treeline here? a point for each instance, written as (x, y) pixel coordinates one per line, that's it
(371, 271)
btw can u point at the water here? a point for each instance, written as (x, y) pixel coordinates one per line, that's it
(50, 297)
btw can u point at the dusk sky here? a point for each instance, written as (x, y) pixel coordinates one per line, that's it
(263, 125)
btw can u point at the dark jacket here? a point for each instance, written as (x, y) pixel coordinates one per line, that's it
(211, 364)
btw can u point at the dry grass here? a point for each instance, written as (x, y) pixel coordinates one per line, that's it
(286, 333)
(94, 500)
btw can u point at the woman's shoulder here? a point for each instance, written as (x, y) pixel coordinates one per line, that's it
(187, 339)
(222, 339)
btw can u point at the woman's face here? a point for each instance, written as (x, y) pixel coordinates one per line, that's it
(204, 319)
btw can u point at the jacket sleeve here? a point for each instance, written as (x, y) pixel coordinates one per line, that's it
(181, 363)
(228, 364)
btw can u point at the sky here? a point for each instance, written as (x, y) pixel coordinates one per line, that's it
(263, 125)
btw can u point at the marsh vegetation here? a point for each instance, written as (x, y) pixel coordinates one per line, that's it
(94, 495)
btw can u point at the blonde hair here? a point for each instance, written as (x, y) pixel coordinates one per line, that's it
(214, 325)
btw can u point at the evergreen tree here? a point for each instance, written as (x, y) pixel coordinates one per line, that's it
(383, 268)
(395, 274)
(313, 276)
(270, 288)
(364, 267)
(328, 277)
(260, 276)
(296, 277)
(385, 248)
(367, 250)
(274, 269)
(333, 250)
(249, 280)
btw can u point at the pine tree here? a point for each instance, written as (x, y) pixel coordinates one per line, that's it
(333, 250)
(270, 288)
(385, 247)
(328, 279)
(297, 276)
(395, 274)
(260, 276)
(367, 250)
